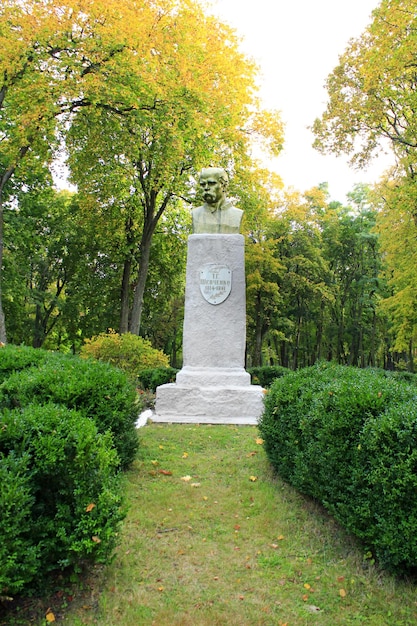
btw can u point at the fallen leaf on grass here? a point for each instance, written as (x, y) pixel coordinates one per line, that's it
(342, 593)
(313, 609)
(50, 617)
(195, 484)
(185, 455)
(251, 454)
(307, 586)
(165, 472)
(259, 441)
(186, 479)
(253, 478)
(90, 507)
(96, 539)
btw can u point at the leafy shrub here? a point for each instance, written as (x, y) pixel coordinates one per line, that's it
(334, 432)
(266, 375)
(129, 352)
(154, 377)
(59, 494)
(19, 556)
(97, 390)
(15, 358)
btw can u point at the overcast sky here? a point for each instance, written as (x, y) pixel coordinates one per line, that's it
(297, 43)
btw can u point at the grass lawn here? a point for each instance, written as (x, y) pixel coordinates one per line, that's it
(213, 538)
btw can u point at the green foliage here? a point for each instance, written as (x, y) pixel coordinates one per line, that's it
(266, 375)
(129, 352)
(371, 92)
(97, 390)
(347, 437)
(16, 358)
(19, 556)
(153, 377)
(59, 494)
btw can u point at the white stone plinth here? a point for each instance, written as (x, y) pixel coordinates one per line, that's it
(208, 405)
(213, 386)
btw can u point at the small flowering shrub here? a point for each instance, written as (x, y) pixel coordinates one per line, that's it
(129, 352)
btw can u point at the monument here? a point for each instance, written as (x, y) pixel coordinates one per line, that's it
(213, 386)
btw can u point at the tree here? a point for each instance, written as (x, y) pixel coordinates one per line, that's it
(45, 248)
(372, 103)
(396, 225)
(48, 55)
(181, 96)
(372, 92)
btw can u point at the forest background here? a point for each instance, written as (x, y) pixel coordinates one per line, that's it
(137, 97)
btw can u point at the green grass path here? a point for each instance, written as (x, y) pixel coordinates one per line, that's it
(213, 538)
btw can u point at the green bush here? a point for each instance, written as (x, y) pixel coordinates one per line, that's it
(324, 429)
(129, 352)
(19, 555)
(15, 358)
(266, 375)
(59, 494)
(97, 390)
(154, 377)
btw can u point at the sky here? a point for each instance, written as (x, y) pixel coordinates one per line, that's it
(297, 44)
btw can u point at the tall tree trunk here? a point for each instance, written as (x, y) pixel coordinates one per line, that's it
(257, 357)
(411, 357)
(145, 252)
(3, 334)
(372, 346)
(151, 218)
(319, 335)
(127, 270)
(5, 177)
(124, 297)
(297, 343)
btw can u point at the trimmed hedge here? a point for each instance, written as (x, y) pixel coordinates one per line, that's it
(59, 495)
(153, 377)
(16, 358)
(95, 389)
(348, 437)
(266, 374)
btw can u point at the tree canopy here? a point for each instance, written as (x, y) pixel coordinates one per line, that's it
(141, 94)
(372, 91)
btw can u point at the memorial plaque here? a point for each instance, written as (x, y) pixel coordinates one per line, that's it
(215, 283)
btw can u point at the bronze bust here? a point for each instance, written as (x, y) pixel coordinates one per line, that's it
(217, 214)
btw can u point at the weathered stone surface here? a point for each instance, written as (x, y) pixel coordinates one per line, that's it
(212, 405)
(213, 386)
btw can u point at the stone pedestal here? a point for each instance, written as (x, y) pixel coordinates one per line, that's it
(213, 386)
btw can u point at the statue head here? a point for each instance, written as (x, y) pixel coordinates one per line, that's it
(213, 183)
